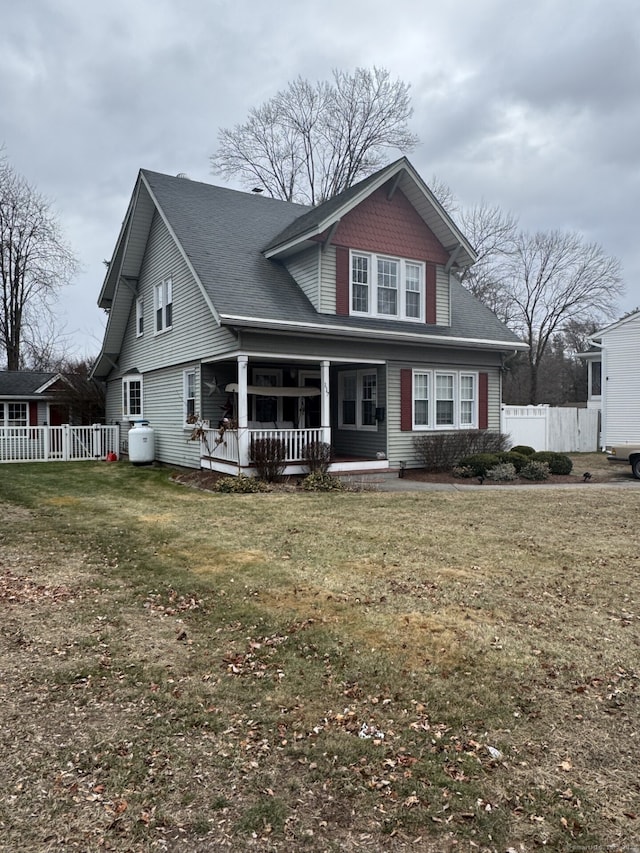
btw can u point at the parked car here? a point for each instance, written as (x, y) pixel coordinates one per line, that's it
(628, 453)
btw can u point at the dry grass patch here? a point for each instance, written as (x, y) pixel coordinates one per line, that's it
(436, 672)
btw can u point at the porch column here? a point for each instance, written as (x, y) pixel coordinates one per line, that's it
(243, 424)
(325, 413)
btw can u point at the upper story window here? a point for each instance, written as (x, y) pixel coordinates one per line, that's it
(387, 287)
(163, 299)
(139, 317)
(132, 397)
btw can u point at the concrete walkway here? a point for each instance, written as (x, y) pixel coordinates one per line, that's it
(404, 484)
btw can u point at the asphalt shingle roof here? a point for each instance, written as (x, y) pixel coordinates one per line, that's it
(224, 233)
(22, 383)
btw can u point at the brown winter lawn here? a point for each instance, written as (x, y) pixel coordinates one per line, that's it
(434, 671)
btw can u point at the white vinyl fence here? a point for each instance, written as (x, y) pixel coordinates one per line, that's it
(60, 443)
(565, 430)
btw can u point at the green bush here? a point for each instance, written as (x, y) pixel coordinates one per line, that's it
(523, 449)
(462, 471)
(479, 463)
(518, 460)
(441, 451)
(240, 485)
(535, 470)
(502, 472)
(322, 483)
(558, 463)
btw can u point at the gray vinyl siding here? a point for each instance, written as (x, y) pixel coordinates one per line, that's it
(194, 333)
(305, 269)
(162, 406)
(443, 297)
(621, 384)
(328, 280)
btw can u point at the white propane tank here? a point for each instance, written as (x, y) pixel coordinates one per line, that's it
(141, 443)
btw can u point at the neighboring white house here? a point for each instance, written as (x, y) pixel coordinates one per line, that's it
(614, 380)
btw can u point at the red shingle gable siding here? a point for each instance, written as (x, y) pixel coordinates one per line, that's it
(483, 401)
(406, 399)
(342, 280)
(390, 227)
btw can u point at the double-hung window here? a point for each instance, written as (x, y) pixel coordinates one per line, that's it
(132, 397)
(358, 398)
(387, 287)
(444, 401)
(163, 299)
(14, 414)
(189, 395)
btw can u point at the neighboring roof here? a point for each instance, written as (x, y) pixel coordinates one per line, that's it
(225, 236)
(596, 336)
(24, 383)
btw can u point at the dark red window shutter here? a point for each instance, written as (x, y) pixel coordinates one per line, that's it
(406, 399)
(431, 293)
(33, 414)
(342, 280)
(483, 401)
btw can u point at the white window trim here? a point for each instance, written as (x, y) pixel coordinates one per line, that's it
(359, 376)
(372, 285)
(457, 424)
(188, 372)
(4, 414)
(162, 298)
(127, 414)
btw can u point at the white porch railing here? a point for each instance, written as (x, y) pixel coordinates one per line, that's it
(226, 447)
(61, 443)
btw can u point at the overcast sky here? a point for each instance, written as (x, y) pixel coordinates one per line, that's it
(532, 106)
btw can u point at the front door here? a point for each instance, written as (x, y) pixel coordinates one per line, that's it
(58, 415)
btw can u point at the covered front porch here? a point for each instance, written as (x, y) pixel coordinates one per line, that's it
(284, 402)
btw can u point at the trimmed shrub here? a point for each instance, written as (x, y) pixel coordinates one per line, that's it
(518, 460)
(523, 449)
(441, 451)
(480, 463)
(268, 455)
(558, 463)
(317, 457)
(535, 470)
(502, 472)
(240, 485)
(322, 483)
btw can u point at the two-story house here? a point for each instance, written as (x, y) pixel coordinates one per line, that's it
(344, 323)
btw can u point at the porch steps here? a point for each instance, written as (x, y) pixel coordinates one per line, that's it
(367, 478)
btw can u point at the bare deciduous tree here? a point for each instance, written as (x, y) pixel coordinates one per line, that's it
(35, 262)
(552, 279)
(310, 142)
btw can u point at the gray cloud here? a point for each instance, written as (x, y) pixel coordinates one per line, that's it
(533, 107)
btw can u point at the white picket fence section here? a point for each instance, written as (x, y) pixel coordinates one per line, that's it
(564, 430)
(57, 443)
